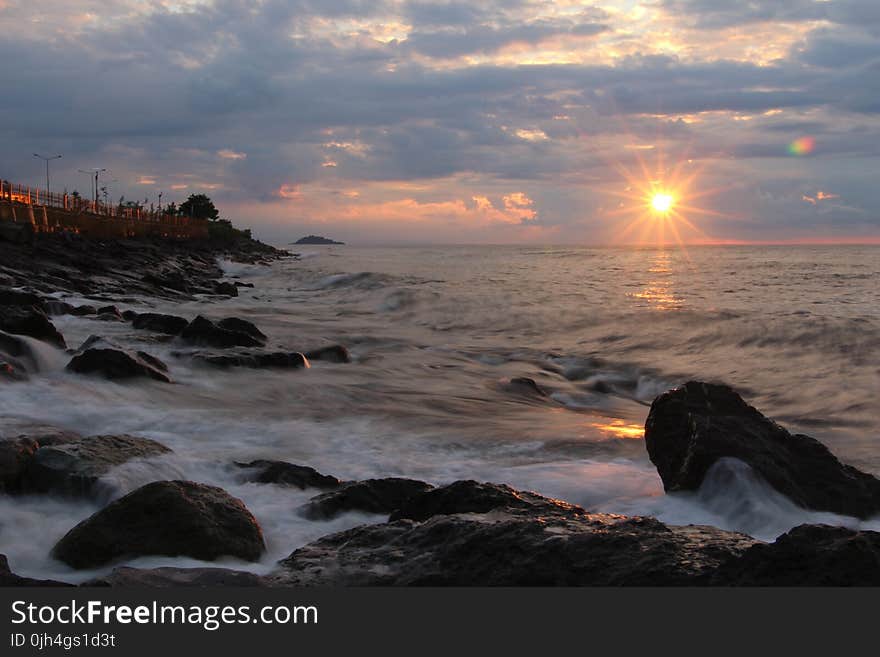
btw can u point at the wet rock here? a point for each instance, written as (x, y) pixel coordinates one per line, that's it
(690, 428)
(9, 297)
(525, 386)
(475, 497)
(226, 288)
(202, 331)
(8, 578)
(332, 354)
(18, 349)
(19, 443)
(243, 326)
(82, 311)
(129, 315)
(369, 496)
(515, 547)
(169, 518)
(158, 323)
(105, 358)
(110, 311)
(73, 467)
(30, 321)
(240, 284)
(809, 555)
(287, 474)
(255, 359)
(12, 369)
(169, 576)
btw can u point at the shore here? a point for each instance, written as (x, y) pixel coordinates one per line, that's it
(463, 533)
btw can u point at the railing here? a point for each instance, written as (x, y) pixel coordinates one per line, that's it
(72, 212)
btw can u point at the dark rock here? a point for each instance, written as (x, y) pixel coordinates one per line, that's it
(84, 310)
(255, 359)
(31, 321)
(108, 317)
(809, 555)
(287, 474)
(243, 326)
(225, 288)
(106, 359)
(691, 427)
(74, 467)
(129, 315)
(169, 518)
(15, 455)
(525, 386)
(316, 239)
(474, 497)
(9, 579)
(170, 576)
(240, 284)
(12, 369)
(10, 297)
(112, 311)
(332, 354)
(18, 348)
(168, 324)
(369, 496)
(202, 331)
(561, 548)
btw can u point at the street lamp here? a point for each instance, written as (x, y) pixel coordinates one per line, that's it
(46, 160)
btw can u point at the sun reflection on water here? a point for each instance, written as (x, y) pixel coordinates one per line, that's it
(620, 429)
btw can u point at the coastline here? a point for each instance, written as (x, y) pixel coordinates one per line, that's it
(462, 533)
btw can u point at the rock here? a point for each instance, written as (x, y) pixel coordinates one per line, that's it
(15, 455)
(202, 331)
(333, 354)
(240, 284)
(74, 467)
(105, 358)
(169, 576)
(255, 359)
(168, 324)
(287, 474)
(565, 547)
(225, 288)
(369, 496)
(12, 369)
(8, 578)
(809, 555)
(110, 311)
(31, 321)
(9, 297)
(243, 326)
(168, 518)
(474, 497)
(691, 427)
(525, 386)
(84, 310)
(129, 315)
(18, 349)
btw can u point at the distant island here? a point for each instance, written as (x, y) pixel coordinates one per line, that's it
(316, 239)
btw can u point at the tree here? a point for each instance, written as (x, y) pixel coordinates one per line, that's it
(199, 206)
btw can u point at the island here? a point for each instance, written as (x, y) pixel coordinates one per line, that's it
(316, 239)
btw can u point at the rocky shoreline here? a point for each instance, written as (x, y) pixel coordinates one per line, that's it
(466, 533)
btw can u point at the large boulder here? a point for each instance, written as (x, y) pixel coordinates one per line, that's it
(168, 518)
(31, 321)
(18, 445)
(690, 428)
(105, 358)
(243, 326)
(226, 288)
(12, 369)
(809, 555)
(158, 323)
(514, 547)
(254, 359)
(286, 474)
(369, 496)
(202, 331)
(74, 467)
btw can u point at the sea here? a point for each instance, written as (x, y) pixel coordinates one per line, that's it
(436, 335)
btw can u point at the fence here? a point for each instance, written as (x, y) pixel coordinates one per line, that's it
(53, 212)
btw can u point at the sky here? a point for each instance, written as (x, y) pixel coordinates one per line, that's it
(434, 121)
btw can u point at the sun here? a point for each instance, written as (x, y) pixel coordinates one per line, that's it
(662, 202)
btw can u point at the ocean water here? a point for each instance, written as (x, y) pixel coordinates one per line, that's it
(437, 333)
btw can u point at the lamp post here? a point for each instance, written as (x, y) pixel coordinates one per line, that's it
(96, 173)
(46, 160)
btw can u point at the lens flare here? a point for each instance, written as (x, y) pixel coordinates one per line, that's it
(662, 202)
(802, 146)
